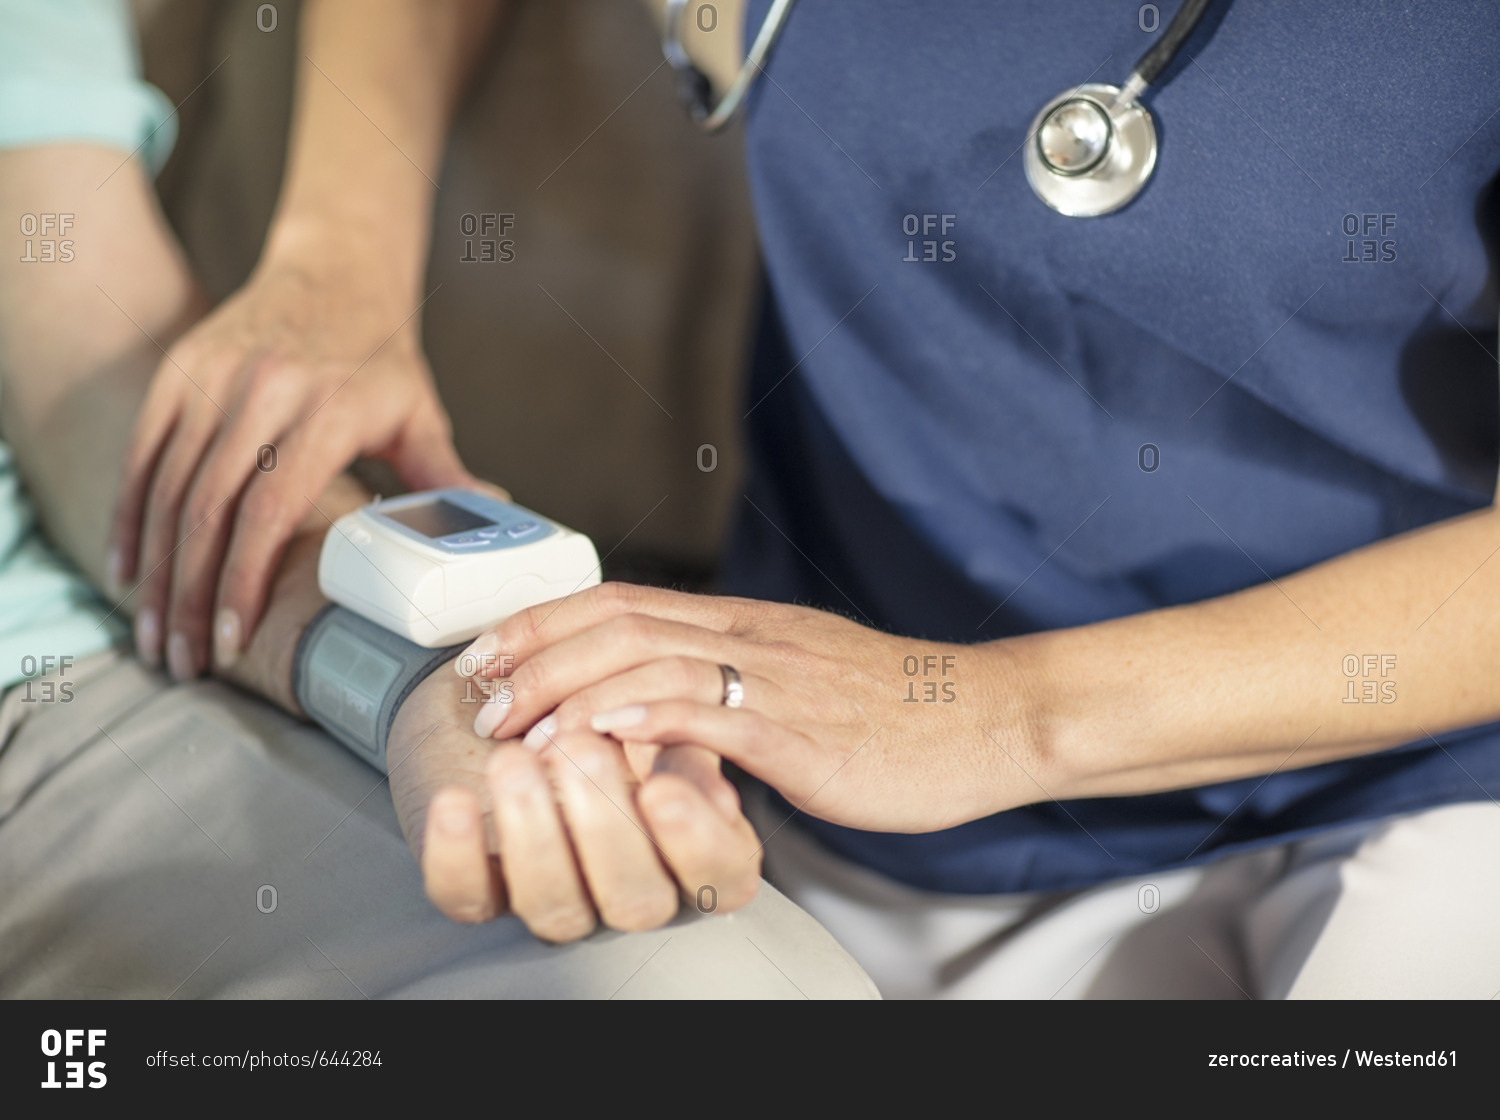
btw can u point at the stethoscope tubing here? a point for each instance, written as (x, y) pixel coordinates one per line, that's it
(713, 118)
(1121, 104)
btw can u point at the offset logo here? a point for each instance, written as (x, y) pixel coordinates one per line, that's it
(66, 1044)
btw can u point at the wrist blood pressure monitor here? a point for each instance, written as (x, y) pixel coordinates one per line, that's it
(412, 579)
(441, 566)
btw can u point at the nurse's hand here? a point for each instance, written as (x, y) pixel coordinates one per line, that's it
(854, 726)
(315, 361)
(581, 832)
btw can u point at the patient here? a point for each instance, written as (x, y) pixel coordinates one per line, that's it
(160, 840)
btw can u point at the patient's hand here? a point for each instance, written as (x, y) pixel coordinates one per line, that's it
(580, 832)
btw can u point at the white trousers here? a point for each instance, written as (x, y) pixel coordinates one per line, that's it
(1407, 907)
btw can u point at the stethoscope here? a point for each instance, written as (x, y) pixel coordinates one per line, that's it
(1089, 150)
(693, 85)
(1092, 149)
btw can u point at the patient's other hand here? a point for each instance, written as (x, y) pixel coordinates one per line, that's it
(580, 832)
(317, 360)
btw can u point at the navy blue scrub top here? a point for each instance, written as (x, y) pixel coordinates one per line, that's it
(1006, 420)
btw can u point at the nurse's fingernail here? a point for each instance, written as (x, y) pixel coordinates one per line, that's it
(540, 735)
(148, 636)
(115, 569)
(631, 716)
(180, 658)
(480, 659)
(492, 713)
(227, 637)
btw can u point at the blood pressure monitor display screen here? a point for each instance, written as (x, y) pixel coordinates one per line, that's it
(437, 518)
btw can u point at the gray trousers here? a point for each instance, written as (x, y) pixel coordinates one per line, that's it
(188, 841)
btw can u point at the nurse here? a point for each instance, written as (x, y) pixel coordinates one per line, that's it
(1143, 640)
(1112, 595)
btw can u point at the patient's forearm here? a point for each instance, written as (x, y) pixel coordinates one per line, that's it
(80, 337)
(78, 344)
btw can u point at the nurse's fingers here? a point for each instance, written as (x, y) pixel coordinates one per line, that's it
(500, 649)
(791, 762)
(211, 502)
(271, 508)
(542, 879)
(423, 455)
(631, 888)
(163, 530)
(670, 678)
(460, 877)
(158, 415)
(545, 680)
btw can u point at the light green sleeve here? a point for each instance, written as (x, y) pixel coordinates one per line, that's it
(70, 71)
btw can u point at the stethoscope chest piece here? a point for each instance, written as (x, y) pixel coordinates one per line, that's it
(1090, 150)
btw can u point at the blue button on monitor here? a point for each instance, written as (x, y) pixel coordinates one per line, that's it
(521, 529)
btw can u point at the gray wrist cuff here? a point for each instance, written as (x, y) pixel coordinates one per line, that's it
(351, 677)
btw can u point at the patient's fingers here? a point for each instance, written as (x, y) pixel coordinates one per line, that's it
(630, 887)
(456, 866)
(714, 855)
(542, 879)
(705, 770)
